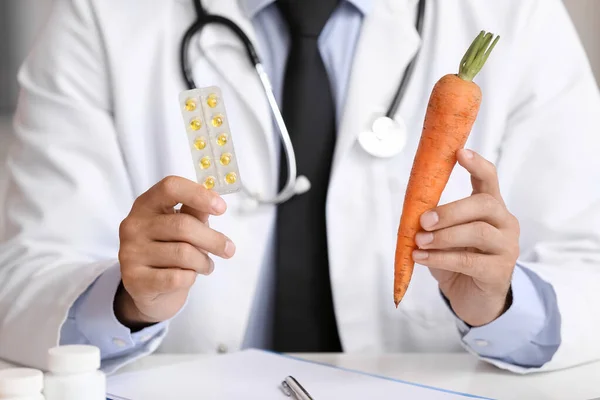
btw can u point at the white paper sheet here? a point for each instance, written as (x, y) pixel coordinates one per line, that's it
(254, 374)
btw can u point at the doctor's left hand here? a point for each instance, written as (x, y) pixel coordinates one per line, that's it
(471, 246)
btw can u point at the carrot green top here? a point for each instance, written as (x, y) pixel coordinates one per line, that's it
(477, 55)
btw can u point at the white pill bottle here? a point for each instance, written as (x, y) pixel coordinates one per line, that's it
(21, 384)
(73, 374)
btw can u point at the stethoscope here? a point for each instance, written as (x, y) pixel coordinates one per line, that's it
(386, 138)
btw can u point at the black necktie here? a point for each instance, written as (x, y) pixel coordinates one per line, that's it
(304, 318)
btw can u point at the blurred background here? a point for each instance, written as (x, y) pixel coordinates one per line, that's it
(20, 21)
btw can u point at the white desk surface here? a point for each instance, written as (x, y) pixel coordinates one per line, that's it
(458, 372)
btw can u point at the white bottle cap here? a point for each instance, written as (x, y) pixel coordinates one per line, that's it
(21, 382)
(73, 359)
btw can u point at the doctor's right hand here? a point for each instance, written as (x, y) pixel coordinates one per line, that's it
(162, 251)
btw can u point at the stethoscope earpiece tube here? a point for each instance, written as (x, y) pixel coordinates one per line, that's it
(395, 105)
(289, 190)
(185, 65)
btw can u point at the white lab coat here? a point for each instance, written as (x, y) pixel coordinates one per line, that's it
(99, 123)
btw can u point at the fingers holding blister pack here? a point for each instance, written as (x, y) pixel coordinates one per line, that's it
(209, 138)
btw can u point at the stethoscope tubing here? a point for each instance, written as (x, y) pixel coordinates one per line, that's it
(395, 104)
(294, 184)
(288, 190)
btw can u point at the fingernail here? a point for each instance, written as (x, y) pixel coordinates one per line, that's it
(423, 238)
(468, 154)
(429, 219)
(218, 205)
(229, 249)
(420, 255)
(211, 267)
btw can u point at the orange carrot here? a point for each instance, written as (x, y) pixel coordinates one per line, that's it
(453, 107)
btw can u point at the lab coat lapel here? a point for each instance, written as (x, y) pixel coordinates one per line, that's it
(387, 43)
(227, 54)
(359, 191)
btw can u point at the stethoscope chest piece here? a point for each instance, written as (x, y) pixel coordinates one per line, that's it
(386, 139)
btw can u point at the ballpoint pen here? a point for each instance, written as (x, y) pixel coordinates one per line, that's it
(291, 387)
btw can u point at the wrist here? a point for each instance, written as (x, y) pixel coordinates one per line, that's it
(508, 299)
(476, 310)
(127, 313)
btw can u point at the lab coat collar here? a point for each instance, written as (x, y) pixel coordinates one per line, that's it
(388, 42)
(253, 7)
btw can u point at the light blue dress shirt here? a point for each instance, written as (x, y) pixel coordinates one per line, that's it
(528, 334)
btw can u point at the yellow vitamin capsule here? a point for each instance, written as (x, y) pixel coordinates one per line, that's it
(231, 178)
(200, 143)
(222, 139)
(205, 163)
(218, 120)
(225, 159)
(190, 105)
(211, 100)
(209, 182)
(196, 124)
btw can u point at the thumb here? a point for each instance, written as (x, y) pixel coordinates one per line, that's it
(484, 177)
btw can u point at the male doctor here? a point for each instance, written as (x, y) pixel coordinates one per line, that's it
(92, 250)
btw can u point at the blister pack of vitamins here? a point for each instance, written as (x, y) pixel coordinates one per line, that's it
(209, 138)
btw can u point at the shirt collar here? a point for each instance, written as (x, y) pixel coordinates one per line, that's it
(252, 7)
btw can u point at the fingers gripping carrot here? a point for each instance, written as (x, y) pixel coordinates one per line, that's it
(453, 107)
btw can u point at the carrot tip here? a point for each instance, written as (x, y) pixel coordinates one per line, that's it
(397, 299)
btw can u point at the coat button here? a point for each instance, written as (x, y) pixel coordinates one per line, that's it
(119, 342)
(481, 343)
(222, 348)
